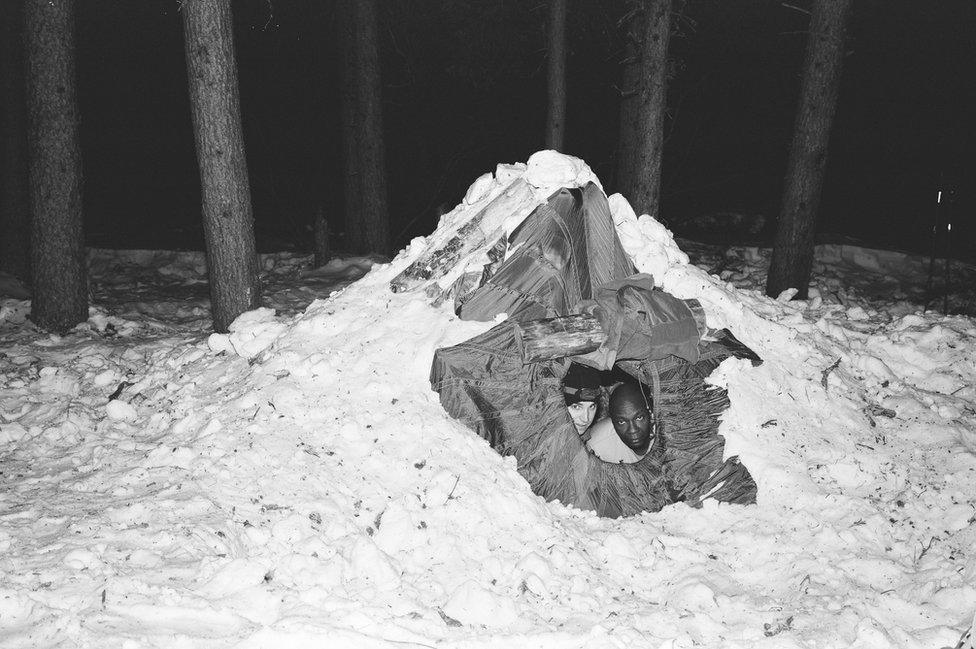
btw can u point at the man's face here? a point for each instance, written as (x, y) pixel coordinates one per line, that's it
(632, 421)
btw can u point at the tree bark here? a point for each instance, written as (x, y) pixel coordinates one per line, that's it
(581, 333)
(571, 335)
(649, 109)
(14, 201)
(556, 115)
(629, 88)
(795, 232)
(320, 232)
(228, 225)
(60, 297)
(364, 155)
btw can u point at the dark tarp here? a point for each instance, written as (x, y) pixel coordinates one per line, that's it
(641, 322)
(567, 257)
(562, 250)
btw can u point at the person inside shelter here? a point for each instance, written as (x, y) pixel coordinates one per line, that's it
(628, 433)
(582, 392)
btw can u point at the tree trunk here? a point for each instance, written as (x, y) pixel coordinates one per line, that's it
(367, 218)
(793, 249)
(629, 88)
(556, 116)
(228, 226)
(14, 201)
(645, 181)
(320, 232)
(60, 297)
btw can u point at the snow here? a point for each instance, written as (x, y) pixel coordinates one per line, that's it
(295, 483)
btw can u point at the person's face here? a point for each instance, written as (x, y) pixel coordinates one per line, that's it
(632, 421)
(582, 413)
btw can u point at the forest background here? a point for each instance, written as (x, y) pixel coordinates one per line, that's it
(464, 86)
(362, 120)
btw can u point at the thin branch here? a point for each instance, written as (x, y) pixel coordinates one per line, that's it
(795, 8)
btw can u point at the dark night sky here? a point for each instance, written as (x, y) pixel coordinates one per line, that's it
(464, 85)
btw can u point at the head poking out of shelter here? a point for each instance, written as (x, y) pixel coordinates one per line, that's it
(582, 394)
(573, 299)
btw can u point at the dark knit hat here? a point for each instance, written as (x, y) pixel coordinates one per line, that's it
(581, 383)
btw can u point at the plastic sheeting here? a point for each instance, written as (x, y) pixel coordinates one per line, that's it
(565, 254)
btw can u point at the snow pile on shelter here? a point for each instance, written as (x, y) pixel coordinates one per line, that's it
(297, 483)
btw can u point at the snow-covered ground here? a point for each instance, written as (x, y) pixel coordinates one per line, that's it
(296, 483)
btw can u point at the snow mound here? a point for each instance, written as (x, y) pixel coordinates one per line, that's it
(305, 488)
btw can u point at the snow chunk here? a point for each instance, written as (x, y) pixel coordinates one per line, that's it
(857, 313)
(472, 604)
(14, 311)
(648, 243)
(105, 377)
(693, 595)
(219, 343)
(554, 169)
(120, 411)
(180, 456)
(235, 576)
(787, 294)
(371, 567)
(479, 188)
(80, 559)
(250, 334)
(12, 432)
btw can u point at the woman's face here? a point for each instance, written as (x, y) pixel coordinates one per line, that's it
(582, 413)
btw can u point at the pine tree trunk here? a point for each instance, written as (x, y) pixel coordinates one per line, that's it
(227, 218)
(60, 296)
(629, 91)
(367, 217)
(645, 189)
(14, 201)
(795, 232)
(320, 232)
(556, 115)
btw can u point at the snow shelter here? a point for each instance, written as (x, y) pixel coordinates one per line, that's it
(571, 293)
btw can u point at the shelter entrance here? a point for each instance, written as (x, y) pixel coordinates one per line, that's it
(573, 298)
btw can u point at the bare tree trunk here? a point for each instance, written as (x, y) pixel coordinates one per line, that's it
(14, 201)
(60, 298)
(795, 232)
(228, 225)
(655, 32)
(320, 232)
(556, 116)
(367, 217)
(629, 91)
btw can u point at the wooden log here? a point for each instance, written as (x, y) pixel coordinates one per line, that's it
(574, 335)
(448, 256)
(571, 335)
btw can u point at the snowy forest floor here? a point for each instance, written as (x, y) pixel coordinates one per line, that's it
(296, 484)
